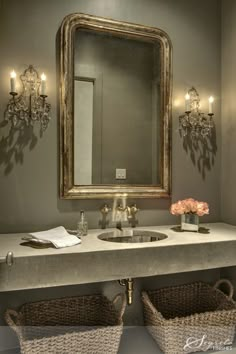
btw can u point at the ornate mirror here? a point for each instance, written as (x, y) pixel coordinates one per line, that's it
(115, 109)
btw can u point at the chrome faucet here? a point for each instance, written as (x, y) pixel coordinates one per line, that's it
(131, 215)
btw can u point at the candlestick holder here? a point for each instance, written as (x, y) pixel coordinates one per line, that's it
(29, 106)
(193, 121)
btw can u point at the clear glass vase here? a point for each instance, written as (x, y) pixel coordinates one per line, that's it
(189, 222)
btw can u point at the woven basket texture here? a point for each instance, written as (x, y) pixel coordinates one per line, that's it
(198, 313)
(77, 325)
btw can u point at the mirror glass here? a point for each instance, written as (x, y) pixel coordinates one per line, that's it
(116, 110)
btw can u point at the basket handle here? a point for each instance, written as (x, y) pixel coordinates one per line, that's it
(11, 317)
(229, 284)
(148, 302)
(121, 297)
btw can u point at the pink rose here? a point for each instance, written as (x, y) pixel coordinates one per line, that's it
(202, 208)
(174, 209)
(189, 205)
(177, 208)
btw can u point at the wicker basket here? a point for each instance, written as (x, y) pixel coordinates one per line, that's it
(190, 318)
(77, 325)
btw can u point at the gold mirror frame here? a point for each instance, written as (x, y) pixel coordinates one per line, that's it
(67, 188)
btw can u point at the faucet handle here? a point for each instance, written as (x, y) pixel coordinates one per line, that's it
(134, 209)
(105, 209)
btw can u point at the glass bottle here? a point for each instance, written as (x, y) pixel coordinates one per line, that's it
(82, 225)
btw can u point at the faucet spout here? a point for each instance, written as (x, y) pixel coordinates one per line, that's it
(119, 212)
(126, 212)
(129, 212)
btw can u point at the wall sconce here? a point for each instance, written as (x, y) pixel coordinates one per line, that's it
(193, 121)
(30, 105)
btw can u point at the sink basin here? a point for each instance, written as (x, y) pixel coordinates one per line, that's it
(132, 236)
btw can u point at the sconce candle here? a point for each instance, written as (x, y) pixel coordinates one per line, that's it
(13, 81)
(29, 105)
(187, 102)
(193, 121)
(43, 84)
(211, 100)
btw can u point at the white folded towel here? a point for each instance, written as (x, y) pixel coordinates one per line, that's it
(58, 236)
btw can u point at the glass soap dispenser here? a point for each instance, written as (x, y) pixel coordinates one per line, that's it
(82, 225)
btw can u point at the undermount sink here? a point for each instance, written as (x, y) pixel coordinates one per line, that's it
(132, 236)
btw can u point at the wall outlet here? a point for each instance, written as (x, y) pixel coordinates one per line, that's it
(120, 173)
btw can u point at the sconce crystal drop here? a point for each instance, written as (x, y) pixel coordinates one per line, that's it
(29, 106)
(193, 121)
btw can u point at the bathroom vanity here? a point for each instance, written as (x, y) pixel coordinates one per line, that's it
(96, 260)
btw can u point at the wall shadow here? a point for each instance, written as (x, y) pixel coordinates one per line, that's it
(202, 151)
(13, 144)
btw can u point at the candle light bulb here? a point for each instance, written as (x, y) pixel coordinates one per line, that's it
(13, 81)
(211, 99)
(43, 84)
(187, 102)
(13, 74)
(43, 77)
(187, 96)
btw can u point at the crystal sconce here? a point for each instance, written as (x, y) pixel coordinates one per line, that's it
(30, 104)
(193, 121)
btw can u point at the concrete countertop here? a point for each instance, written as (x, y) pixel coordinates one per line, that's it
(95, 260)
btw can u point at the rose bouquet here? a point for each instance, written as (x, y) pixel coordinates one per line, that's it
(189, 205)
(190, 210)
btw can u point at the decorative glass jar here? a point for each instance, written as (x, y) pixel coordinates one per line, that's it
(189, 222)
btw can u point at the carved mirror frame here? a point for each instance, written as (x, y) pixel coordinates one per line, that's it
(68, 190)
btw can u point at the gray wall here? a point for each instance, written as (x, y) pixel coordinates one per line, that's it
(228, 72)
(228, 180)
(29, 171)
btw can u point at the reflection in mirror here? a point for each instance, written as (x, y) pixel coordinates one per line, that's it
(116, 110)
